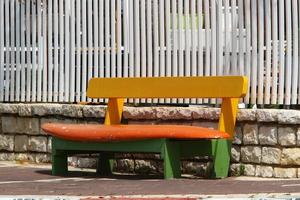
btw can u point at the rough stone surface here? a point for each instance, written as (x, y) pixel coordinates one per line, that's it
(7, 108)
(271, 155)
(20, 125)
(235, 154)
(249, 170)
(235, 169)
(25, 110)
(49, 145)
(267, 135)
(42, 158)
(144, 167)
(7, 142)
(9, 124)
(250, 132)
(24, 157)
(87, 162)
(251, 154)
(46, 109)
(264, 171)
(124, 165)
(286, 136)
(197, 168)
(93, 111)
(173, 113)
(206, 113)
(72, 110)
(238, 135)
(38, 144)
(4, 156)
(210, 125)
(139, 113)
(298, 136)
(267, 115)
(290, 156)
(21, 143)
(246, 115)
(289, 117)
(285, 172)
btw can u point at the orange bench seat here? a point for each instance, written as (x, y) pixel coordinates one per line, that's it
(102, 133)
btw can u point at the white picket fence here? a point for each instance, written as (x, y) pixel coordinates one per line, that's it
(49, 49)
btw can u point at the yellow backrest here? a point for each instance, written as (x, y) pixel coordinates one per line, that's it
(229, 88)
(168, 87)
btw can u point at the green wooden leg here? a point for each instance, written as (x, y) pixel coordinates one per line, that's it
(59, 164)
(221, 157)
(171, 156)
(105, 163)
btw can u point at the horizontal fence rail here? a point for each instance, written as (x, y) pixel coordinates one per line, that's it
(49, 49)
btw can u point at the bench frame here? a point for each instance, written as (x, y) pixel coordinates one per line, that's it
(171, 151)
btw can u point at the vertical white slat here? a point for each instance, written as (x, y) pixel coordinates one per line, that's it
(13, 51)
(149, 39)
(234, 26)
(295, 55)
(174, 41)
(61, 65)
(72, 67)
(119, 39)
(131, 39)
(228, 28)
(34, 52)
(96, 38)
(101, 38)
(162, 63)
(207, 40)
(260, 92)
(288, 69)
(107, 39)
(56, 53)
(254, 51)
(187, 33)
(168, 38)
(137, 38)
(200, 68)
(213, 41)
(126, 36)
(220, 38)
(45, 50)
(79, 50)
(155, 38)
(1, 50)
(28, 52)
(23, 55)
(268, 52)
(143, 39)
(241, 46)
(40, 51)
(91, 48)
(67, 42)
(18, 51)
(248, 46)
(298, 60)
(281, 52)
(84, 50)
(274, 51)
(180, 42)
(7, 52)
(113, 37)
(194, 42)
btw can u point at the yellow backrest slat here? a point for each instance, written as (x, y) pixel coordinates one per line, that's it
(168, 87)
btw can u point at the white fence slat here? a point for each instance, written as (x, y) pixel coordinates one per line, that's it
(295, 55)
(194, 42)
(131, 39)
(40, 51)
(107, 39)
(298, 60)
(149, 39)
(8, 50)
(241, 46)
(1, 49)
(220, 37)
(34, 52)
(274, 51)
(91, 48)
(28, 53)
(213, 41)
(174, 41)
(288, 68)
(23, 70)
(13, 52)
(187, 49)
(45, 52)
(96, 38)
(234, 26)
(84, 49)
(162, 63)
(119, 39)
(18, 52)
(72, 67)
(137, 41)
(261, 40)
(56, 52)
(168, 38)
(79, 50)
(101, 39)
(126, 37)
(268, 52)
(200, 68)
(248, 46)
(254, 51)
(113, 37)
(68, 53)
(207, 40)
(281, 52)
(61, 86)
(227, 38)
(180, 42)
(143, 38)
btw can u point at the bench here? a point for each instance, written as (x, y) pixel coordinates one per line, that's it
(172, 142)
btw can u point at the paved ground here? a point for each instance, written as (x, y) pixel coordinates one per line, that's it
(37, 180)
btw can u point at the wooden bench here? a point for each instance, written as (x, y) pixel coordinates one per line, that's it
(172, 142)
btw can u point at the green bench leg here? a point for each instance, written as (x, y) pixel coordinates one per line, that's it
(171, 156)
(105, 163)
(221, 158)
(59, 164)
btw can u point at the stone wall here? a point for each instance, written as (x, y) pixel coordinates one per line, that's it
(266, 144)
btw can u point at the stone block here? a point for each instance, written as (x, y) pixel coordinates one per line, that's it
(42, 158)
(141, 113)
(235, 153)
(250, 134)
(49, 145)
(9, 108)
(87, 162)
(289, 117)
(38, 144)
(173, 113)
(24, 157)
(72, 111)
(197, 168)
(251, 154)
(290, 156)
(30, 126)
(93, 111)
(235, 169)
(267, 135)
(25, 110)
(267, 115)
(249, 170)
(286, 136)
(285, 172)
(46, 109)
(205, 113)
(264, 171)
(124, 165)
(21, 143)
(298, 136)
(246, 115)
(7, 142)
(9, 124)
(144, 167)
(238, 135)
(271, 155)
(5, 156)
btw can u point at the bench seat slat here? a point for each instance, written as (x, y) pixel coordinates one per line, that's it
(94, 133)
